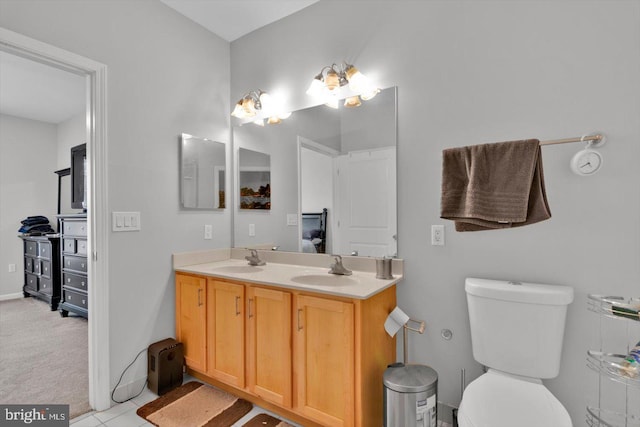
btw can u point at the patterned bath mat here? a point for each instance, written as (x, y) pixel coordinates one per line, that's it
(264, 420)
(195, 404)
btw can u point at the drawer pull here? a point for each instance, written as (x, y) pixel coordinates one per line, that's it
(44, 286)
(199, 297)
(84, 301)
(237, 306)
(82, 284)
(299, 321)
(69, 297)
(250, 314)
(68, 279)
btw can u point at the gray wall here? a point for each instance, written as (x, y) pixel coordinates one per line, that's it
(166, 75)
(485, 71)
(28, 187)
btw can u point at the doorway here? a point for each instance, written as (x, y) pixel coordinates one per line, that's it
(97, 206)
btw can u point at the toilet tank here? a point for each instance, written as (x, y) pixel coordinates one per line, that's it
(517, 327)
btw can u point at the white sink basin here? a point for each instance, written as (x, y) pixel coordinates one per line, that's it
(238, 269)
(325, 280)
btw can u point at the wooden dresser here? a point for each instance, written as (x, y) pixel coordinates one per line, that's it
(42, 268)
(73, 234)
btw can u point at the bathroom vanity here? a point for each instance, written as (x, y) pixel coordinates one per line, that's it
(291, 338)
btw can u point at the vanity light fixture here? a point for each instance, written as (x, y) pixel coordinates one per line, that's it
(259, 102)
(331, 78)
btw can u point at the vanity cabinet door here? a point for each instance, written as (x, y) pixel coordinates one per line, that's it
(269, 344)
(191, 294)
(225, 338)
(324, 360)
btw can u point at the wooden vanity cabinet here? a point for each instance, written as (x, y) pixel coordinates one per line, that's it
(269, 353)
(225, 332)
(324, 360)
(191, 319)
(318, 359)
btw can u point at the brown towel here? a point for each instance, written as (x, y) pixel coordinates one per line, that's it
(489, 186)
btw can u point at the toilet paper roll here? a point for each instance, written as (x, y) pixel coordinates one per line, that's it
(396, 320)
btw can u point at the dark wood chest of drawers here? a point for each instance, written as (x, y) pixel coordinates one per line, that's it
(42, 268)
(73, 234)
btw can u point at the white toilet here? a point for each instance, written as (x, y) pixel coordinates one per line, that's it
(516, 332)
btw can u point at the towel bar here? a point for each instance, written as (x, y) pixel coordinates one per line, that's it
(596, 139)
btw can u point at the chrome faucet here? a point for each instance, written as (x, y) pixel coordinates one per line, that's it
(254, 259)
(338, 268)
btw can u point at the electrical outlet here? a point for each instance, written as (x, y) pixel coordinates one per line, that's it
(437, 235)
(12, 268)
(208, 232)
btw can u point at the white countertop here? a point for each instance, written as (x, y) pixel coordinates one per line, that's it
(360, 285)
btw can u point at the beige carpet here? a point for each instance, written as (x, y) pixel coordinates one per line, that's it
(195, 404)
(43, 356)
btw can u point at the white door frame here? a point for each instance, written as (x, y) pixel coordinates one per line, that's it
(96, 78)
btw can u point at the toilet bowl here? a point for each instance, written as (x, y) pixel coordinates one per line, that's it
(517, 330)
(497, 399)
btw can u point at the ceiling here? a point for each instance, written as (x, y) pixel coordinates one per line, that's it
(40, 92)
(232, 19)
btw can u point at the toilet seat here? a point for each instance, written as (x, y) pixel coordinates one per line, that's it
(498, 399)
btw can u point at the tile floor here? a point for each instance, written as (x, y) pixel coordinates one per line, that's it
(124, 414)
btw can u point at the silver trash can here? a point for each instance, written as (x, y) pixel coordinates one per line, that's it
(410, 396)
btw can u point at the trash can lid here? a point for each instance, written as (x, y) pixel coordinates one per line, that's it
(410, 379)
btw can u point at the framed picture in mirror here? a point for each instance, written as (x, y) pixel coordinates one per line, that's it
(254, 179)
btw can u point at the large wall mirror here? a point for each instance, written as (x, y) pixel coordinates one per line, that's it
(333, 172)
(202, 173)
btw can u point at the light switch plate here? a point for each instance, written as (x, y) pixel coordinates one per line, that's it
(292, 219)
(125, 221)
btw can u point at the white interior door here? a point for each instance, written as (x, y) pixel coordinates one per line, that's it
(316, 186)
(366, 203)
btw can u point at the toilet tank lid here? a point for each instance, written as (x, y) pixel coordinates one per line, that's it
(529, 293)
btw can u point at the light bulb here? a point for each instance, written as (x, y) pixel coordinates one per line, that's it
(369, 93)
(266, 103)
(332, 102)
(352, 101)
(238, 111)
(259, 122)
(316, 86)
(249, 107)
(332, 80)
(274, 120)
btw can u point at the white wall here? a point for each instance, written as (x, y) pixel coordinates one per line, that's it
(484, 71)
(71, 132)
(28, 186)
(165, 76)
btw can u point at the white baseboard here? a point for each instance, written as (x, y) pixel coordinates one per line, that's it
(127, 391)
(11, 296)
